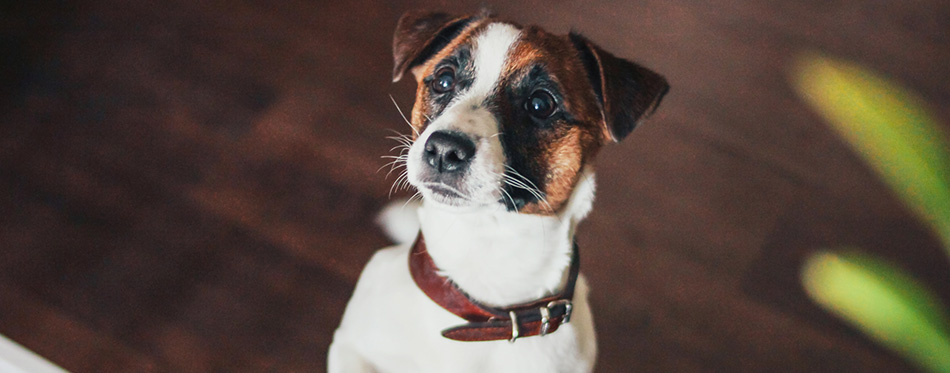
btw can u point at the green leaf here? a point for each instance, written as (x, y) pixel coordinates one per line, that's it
(883, 302)
(889, 128)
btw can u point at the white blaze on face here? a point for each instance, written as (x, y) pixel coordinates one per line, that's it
(491, 52)
(467, 114)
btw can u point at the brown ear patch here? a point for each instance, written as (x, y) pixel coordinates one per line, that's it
(421, 34)
(627, 91)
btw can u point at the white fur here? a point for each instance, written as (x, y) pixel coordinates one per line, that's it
(491, 53)
(500, 257)
(400, 220)
(497, 257)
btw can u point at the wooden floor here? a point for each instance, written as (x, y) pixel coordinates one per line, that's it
(190, 186)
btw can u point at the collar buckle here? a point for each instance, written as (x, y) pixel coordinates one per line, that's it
(568, 308)
(546, 314)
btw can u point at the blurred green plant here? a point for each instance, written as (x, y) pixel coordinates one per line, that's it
(884, 302)
(890, 129)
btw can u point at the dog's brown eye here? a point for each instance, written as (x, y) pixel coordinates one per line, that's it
(444, 80)
(540, 104)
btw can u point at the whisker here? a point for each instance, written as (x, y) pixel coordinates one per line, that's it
(401, 137)
(397, 182)
(522, 184)
(404, 184)
(398, 134)
(509, 178)
(518, 174)
(401, 156)
(416, 194)
(504, 193)
(402, 142)
(387, 164)
(518, 184)
(403, 115)
(525, 179)
(395, 165)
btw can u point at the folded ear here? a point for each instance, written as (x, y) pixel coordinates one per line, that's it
(627, 92)
(421, 34)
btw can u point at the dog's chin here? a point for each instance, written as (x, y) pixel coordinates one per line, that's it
(449, 197)
(445, 195)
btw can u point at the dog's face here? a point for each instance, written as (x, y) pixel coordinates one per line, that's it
(508, 115)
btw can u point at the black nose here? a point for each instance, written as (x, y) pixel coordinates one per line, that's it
(449, 151)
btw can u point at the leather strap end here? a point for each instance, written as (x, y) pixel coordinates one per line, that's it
(497, 330)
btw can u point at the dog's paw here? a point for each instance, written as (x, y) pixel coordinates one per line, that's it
(400, 220)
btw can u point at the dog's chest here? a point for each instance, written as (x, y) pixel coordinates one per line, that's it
(398, 328)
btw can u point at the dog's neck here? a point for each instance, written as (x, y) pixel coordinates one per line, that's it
(502, 258)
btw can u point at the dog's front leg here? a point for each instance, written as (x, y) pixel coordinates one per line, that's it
(342, 358)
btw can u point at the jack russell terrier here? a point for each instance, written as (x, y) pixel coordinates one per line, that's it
(506, 125)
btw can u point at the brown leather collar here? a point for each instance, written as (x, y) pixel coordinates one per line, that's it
(485, 323)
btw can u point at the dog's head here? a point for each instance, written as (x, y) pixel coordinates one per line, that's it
(508, 115)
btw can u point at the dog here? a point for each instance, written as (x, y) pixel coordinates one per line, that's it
(506, 124)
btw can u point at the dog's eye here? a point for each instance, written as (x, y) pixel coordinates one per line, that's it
(540, 104)
(444, 80)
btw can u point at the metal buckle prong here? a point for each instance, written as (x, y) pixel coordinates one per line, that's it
(545, 320)
(568, 307)
(514, 326)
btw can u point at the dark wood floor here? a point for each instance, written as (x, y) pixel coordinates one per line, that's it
(191, 187)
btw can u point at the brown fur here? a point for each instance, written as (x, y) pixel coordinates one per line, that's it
(563, 155)
(419, 120)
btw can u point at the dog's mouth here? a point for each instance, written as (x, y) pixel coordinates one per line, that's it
(443, 190)
(445, 194)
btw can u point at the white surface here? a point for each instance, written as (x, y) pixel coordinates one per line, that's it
(17, 359)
